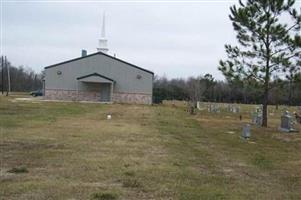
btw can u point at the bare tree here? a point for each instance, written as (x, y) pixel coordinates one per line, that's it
(195, 88)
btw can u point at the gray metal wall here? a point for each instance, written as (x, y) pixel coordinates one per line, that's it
(124, 75)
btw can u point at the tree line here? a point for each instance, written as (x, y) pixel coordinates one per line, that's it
(21, 79)
(201, 88)
(206, 88)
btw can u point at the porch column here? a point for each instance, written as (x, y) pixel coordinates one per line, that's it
(77, 90)
(112, 85)
(43, 82)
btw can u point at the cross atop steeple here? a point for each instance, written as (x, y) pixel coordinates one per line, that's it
(103, 30)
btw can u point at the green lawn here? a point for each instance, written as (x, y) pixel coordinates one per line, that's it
(71, 151)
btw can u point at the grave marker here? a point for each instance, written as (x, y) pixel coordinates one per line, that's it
(287, 123)
(254, 117)
(257, 118)
(246, 131)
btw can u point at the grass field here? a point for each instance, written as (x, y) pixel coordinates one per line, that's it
(52, 150)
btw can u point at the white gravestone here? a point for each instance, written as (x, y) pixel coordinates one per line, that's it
(215, 109)
(198, 105)
(235, 109)
(209, 108)
(229, 108)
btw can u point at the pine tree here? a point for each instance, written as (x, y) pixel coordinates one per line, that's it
(268, 33)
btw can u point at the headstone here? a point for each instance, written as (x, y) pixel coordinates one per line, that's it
(198, 105)
(209, 108)
(236, 109)
(229, 108)
(287, 123)
(233, 108)
(259, 109)
(215, 108)
(201, 105)
(246, 131)
(173, 103)
(254, 117)
(257, 118)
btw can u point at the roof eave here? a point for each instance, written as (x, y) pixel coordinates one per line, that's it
(95, 74)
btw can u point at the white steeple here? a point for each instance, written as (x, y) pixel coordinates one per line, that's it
(103, 46)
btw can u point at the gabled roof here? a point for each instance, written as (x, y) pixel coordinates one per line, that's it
(95, 74)
(99, 53)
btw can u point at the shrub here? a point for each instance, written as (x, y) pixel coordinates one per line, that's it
(17, 170)
(104, 196)
(129, 173)
(133, 183)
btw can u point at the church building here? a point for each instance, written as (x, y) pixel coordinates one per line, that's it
(98, 77)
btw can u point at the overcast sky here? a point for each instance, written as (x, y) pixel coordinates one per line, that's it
(175, 39)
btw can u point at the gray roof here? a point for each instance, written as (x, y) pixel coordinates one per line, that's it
(98, 53)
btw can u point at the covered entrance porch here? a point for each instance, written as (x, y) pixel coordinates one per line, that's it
(95, 87)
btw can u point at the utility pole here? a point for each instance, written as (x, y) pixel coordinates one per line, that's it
(2, 74)
(8, 76)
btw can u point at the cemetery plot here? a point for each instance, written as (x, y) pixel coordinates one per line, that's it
(218, 107)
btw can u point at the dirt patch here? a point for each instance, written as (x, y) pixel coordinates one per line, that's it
(25, 146)
(287, 137)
